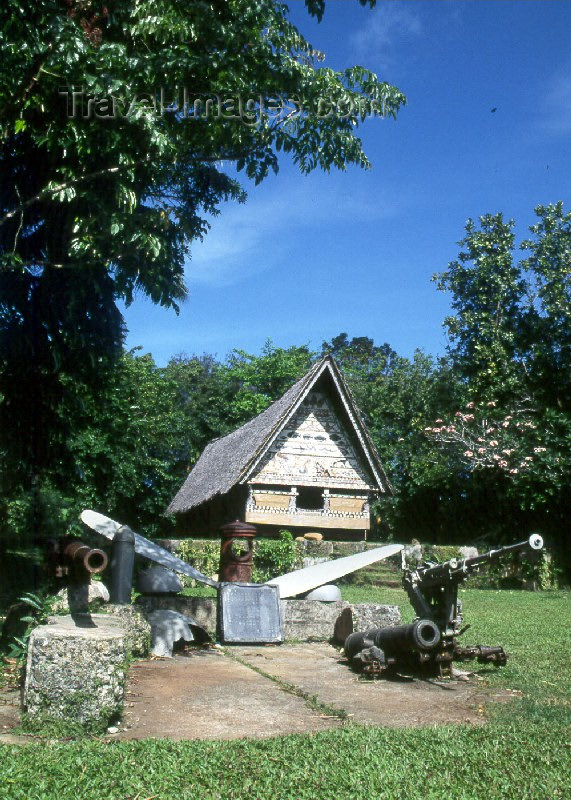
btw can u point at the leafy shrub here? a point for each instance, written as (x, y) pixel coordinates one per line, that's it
(513, 572)
(274, 557)
(202, 555)
(40, 609)
(271, 557)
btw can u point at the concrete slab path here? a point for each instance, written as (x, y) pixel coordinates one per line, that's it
(259, 692)
(208, 695)
(319, 670)
(10, 716)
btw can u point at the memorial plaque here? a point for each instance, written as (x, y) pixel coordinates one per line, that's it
(249, 613)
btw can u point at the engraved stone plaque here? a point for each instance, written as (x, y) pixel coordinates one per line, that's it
(249, 613)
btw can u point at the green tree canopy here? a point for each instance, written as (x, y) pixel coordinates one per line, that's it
(511, 346)
(510, 333)
(118, 121)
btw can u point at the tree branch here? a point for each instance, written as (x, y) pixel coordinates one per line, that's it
(67, 185)
(28, 83)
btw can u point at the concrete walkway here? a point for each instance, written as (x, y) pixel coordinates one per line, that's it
(208, 695)
(10, 716)
(262, 691)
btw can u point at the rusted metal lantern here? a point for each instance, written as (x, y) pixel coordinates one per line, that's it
(236, 552)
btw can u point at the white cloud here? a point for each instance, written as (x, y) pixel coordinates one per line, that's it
(248, 239)
(386, 28)
(557, 104)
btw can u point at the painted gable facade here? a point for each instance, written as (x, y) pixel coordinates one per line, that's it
(307, 463)
(312, 475)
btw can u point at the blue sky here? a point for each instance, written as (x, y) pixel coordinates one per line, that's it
(308, 257)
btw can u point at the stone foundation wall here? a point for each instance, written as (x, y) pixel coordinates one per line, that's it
(201, 609)
(303, 619)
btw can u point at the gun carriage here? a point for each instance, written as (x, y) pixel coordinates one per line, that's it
(430, 642)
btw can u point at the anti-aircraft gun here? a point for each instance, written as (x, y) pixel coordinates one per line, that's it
(431, 640)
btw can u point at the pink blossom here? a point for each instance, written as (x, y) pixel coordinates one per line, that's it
(528, 458)
(493, 443)
(439, 421)
(481, 449)
(492, 404)
(514, 471)
(468, 453)
(539, 449)
(506, 423)
(469, 417)
(469, 405)
(503, 463)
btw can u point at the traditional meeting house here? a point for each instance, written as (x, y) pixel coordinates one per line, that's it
(306, 463)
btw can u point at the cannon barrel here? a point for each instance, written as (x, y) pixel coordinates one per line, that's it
(462, 567)
(80, 557)
(535, 542)
(420, 636)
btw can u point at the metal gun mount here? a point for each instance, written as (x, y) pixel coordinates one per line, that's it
(430, 642)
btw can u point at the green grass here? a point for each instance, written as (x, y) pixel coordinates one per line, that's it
(522, 753)
(464, 763)
(199, 591)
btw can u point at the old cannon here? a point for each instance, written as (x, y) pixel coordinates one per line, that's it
(430, 642)
(70, 558)
(381, 648)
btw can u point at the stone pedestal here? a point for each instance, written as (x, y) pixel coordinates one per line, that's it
(136, 629)
(311, 619)
(362, 617)
(76, 670)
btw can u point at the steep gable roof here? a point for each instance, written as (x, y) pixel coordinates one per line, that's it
(232, 459)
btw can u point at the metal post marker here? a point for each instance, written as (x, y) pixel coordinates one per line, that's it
(122, 562)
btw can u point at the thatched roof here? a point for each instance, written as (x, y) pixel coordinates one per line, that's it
(231, 459)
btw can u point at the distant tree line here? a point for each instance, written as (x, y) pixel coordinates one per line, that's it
(476, 443)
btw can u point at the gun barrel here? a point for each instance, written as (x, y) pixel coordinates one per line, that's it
(88, 559)
(535, 542)
(457, 567)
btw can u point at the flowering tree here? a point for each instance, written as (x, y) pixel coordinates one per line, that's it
(530, 455)
(486, 439)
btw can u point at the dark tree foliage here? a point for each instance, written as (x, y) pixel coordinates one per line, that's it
(109, 171)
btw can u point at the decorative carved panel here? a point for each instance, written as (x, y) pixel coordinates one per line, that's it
(352, 505)
(309, 519)
(271, 499)
(314, 449)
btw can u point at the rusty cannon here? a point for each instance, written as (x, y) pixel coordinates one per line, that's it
(378, 649)
(431, 641)
(69, 557)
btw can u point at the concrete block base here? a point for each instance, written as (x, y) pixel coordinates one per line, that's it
(363, 616)
(76, 670)
(311, 619)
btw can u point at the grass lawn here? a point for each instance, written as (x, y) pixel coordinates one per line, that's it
(523, 752)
